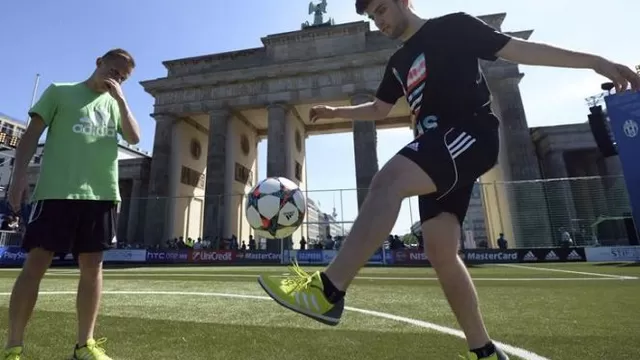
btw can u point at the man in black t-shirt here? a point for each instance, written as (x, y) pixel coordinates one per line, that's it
(437, 70)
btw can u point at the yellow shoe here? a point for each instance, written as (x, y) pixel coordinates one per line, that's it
(92, 351)
(13, 353)
(304, 294)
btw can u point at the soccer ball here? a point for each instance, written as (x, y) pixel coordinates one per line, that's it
(275, 208)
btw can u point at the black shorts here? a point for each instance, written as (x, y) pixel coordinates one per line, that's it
(71, 226)
(454, 158)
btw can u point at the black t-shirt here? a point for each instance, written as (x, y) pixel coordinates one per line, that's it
(438, 71)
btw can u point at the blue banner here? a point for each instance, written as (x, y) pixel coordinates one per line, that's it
(378, 258)
(324, 257)
(12, 255)
(310, 257)
(624, 118)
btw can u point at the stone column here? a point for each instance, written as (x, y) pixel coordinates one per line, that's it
(560, 200)
(522, 156)
(215, 188)
(531, 223)
(134, 211)
(278, 144)
(279, 162)
(364, 149)
(159, 222)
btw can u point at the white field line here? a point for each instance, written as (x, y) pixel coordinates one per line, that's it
(376, 278)
(620, 277)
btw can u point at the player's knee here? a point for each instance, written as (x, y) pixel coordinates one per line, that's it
(442, 234)
(90, 264)
(37, 262)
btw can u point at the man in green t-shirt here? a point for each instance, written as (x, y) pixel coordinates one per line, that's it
(75, 199)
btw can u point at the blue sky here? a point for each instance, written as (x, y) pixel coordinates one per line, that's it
(61, 40)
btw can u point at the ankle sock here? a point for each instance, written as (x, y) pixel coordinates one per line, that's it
(485, 351)
(330, 291)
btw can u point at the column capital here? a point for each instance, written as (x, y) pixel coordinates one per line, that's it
(164, 117)
(361, 98)
(279, 105)
(219, 112)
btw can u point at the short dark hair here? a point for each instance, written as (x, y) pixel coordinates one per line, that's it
(120, 53)
(361, 6)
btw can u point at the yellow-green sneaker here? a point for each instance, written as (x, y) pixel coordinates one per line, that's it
(304, 294)
(12, 353)
(92, 351)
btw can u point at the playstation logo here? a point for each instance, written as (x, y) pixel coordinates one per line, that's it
(630, 128)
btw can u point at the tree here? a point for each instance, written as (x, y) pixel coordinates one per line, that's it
(409, 239)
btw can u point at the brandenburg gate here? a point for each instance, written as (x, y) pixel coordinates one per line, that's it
(211, 111)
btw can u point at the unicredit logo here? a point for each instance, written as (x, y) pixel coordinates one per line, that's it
(212, 256)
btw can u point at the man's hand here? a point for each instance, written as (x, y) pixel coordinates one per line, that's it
(114, 89)
(322, 112)
(16, 190)
(621, 75)
(130, 127)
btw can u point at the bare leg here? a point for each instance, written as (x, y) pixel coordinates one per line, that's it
(89, 293)
(443, 234)
(398, 179)
(25, 294)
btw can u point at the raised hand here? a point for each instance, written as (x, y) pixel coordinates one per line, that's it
(321, 112)
(621, 76)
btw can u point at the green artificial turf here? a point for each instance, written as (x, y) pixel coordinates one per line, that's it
(575, 312)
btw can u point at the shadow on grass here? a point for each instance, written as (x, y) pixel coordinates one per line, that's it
(618, 264)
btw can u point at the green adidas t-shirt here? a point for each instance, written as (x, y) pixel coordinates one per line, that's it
(80, 155)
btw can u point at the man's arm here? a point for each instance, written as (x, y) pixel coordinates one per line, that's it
(532, 53)
(26, 148)
(387, 94)
(373, 110)
(129, 124)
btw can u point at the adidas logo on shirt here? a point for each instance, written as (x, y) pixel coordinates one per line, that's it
(552, 256)
(530, 257)
(574, 256)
